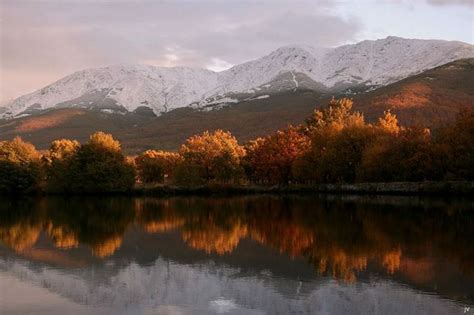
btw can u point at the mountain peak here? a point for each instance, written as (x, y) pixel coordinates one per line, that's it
(300, 48)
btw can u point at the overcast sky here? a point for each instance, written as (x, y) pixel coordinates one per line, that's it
(44, 40)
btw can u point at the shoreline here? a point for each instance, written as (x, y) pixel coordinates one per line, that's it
(395, 188)
(427, 188)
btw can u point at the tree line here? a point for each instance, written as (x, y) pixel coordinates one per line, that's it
(335, 144)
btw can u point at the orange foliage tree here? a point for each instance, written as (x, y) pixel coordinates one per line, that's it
(270, 160)
(338, 138)
(408, 155)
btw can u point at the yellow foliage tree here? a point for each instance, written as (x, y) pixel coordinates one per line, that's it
(210, 156)
(337, 115)
(104, 141)
(20, 167)
(389, 123)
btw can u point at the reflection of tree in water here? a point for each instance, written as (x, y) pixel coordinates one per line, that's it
(156, 217)
(321, 234)
(20, 229)
(99, 223)
(107, 246)
(215, 226)
(20, 236)
(214, 238)
(206, 224)
(63, 236)
(339, 238)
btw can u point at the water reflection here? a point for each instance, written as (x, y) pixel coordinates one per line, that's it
(298, 244)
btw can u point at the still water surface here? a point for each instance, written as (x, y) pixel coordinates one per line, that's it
(239, 255)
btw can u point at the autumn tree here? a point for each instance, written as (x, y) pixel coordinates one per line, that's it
(188, 173)
(340, 154)
(58, 161)
(153, 166)
(337, 115)
(455, 145)
(408, 155)
(338, 138)
(388, 124)
(20, 167)
(209, 157)
(99, 166)
(270, 159)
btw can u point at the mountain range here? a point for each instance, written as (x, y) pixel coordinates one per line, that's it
(423, 81)
(351, 69)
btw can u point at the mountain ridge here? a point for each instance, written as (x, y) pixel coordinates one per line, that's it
(126, 88)
(430, 99)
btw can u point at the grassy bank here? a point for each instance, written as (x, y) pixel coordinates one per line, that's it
(426, 188)
(396, 188)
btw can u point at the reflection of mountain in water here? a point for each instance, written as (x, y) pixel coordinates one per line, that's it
(199, 286)
(424, 243)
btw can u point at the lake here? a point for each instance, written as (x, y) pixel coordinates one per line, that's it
(329, 254)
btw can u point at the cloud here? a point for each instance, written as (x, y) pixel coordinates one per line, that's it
(452, 2)
(59, 37)
(431, 2)
(44, 40)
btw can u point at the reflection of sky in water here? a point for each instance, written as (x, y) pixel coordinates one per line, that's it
(251, 255)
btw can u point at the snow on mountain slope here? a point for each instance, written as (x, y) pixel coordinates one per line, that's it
(128, 86)
(258, 72)
(385, 61)
(378, 62)
(368, 63)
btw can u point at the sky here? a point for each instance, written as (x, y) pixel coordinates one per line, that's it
(42, 41)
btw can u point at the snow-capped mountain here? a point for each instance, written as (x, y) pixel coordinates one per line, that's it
(121, 88)
(366, 65)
